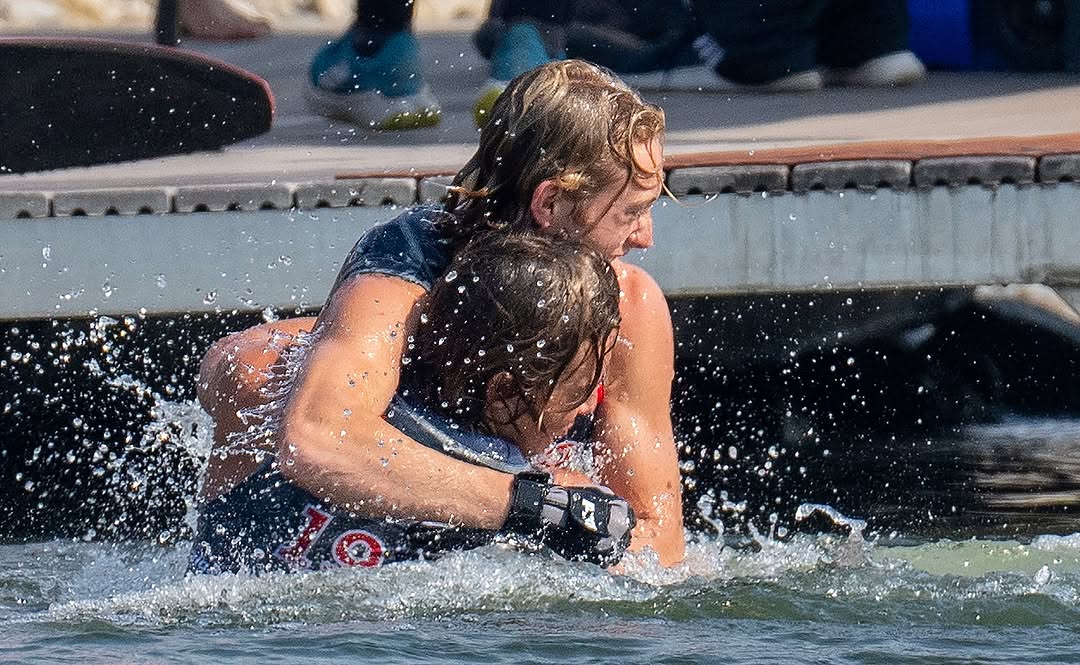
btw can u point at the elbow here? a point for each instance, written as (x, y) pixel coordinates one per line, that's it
(297, 449)
(309, 447)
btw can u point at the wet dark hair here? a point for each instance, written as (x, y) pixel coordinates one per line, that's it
(522, 304)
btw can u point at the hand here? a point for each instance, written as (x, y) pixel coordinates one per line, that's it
(579, 523)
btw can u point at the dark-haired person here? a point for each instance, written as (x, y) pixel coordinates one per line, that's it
(509, 351)
(571, 152)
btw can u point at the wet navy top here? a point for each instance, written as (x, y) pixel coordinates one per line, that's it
(410, 246)
(267, 523)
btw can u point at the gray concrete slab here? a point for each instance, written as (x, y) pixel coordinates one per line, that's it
(862, 174)
(219, 198)
(726, 179)
(434, 189)
(115, 201)
(24, 204)
(990, 170)
(1058, 168)
(363, 192)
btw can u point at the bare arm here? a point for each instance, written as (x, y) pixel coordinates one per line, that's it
(334, 441)
(636, 444)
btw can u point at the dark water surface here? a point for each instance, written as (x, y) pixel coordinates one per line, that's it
(809, 600)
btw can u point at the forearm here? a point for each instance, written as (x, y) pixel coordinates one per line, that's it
(647, 475)
(333, 440)
(380, 472)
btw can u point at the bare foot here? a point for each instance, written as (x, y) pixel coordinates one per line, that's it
(221, 20)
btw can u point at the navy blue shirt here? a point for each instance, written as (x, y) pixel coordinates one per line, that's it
(266, 523)
(410, 246)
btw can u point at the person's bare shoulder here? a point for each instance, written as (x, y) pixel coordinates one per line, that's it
(640, 369)
(367, 299)
(643, 304)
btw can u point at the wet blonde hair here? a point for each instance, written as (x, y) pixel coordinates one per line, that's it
(568, 121)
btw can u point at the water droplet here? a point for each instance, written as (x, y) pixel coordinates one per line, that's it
(540, 343)
(451, 276)
(159, 279)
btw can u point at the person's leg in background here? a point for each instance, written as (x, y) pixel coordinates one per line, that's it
(866, 43)
(633, 36)
(371, 75)
(530, 33)
(221, 20)
(769, 44)
(647, 42)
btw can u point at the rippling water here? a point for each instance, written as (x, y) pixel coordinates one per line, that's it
(808, 600)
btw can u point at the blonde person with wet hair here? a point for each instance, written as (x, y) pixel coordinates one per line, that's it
(570, 151)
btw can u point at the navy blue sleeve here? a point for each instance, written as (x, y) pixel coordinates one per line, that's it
(410, 246)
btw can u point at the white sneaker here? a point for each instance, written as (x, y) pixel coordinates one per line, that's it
(810, 81)
(702, 78)
(900, 68)
(696, 78)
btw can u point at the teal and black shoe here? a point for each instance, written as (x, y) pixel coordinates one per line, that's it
(383, 91)
(516, 51)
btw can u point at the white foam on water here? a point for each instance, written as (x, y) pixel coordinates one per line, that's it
(141, 584)
(145, 585)
(486, 580)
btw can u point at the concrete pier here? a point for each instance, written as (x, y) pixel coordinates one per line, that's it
(962, 179)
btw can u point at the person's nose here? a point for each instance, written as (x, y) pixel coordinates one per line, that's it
(642, 237)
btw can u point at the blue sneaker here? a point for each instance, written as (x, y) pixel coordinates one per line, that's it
(517, 50)
(384, 91)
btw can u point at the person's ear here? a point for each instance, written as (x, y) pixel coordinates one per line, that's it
(542, 206)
